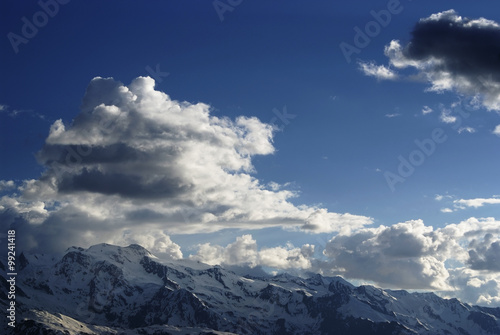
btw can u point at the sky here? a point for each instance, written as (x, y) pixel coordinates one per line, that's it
(358, 139)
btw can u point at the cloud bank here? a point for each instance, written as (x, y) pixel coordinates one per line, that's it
(136, 162)
(458, 260)
(451, 53)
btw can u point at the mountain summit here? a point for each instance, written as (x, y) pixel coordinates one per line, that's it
(107, 289)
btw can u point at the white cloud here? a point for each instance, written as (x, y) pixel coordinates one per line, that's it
(377, 71)
(469, 130)
(133, 156)
(446, 210)
(496, 131)
(446, 116)
(440, 197)
(426, 110)
(6, 185)
(392, 115)
(244, 252)
(475, 287)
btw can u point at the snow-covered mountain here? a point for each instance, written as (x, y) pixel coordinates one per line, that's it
(108, 289)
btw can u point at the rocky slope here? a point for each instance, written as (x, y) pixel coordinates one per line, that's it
(126, 290)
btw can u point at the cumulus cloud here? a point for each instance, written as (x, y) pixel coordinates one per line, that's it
(244, 252)
(413, 255)
(154, 240)
(322, 221)
(452, 53)
(474, 287)
(484, 253)
(135, 157)
(469, 130)
(6, 185)
(407, 255)
(391, 115)
(446, 116)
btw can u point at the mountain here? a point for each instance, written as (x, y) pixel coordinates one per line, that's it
(107, 289)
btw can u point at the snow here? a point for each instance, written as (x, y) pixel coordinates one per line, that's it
(74, 292)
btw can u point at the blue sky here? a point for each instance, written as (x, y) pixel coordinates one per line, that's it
(341, 131)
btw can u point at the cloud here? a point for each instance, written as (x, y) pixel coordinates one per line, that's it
(496, 131)
(154, 240)
(426, 110)
(474, 287)
(133, 157)
(452, 53)
(412, 255)
(377, 71)
(392, 115)
(446, 116)
(405, 255)
(244, 252)
(476, 203)
(469, 130)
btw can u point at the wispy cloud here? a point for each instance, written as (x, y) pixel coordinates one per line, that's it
(392, 115)
(16, 112)
(426, 110)
(245, 252)
(377, 71)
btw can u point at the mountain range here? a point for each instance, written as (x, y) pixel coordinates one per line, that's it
(108, 289)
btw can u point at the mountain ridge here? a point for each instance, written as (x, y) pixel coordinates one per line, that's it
(108, 289)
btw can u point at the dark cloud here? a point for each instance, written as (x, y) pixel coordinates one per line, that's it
(129, 186)
(464, 46)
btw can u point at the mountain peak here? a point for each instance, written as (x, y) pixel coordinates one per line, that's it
(128, 290)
